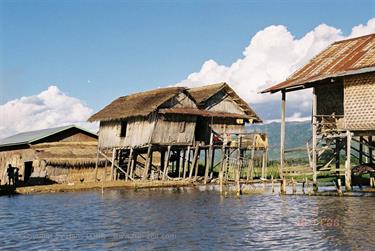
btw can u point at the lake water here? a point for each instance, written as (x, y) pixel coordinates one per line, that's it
(185, 219)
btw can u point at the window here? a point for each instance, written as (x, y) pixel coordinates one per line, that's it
(124, 125)
(182, 126)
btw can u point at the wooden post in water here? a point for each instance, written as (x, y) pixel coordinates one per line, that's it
(186, 165)
(222, 166)
(348, 164)
(370, 149)
(314, 139)
(130, 158)
(166, 163)
(96, 164)
(133, 164)
(264, 165)
(294, 190)
(273, 188)
(194, 161)
(337, 150)
(282, 134)
(113, 163)
(209, 158)
(361, 150)
(339, 190)
(147, 164)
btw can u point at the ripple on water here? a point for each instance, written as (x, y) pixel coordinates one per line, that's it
(184, 218)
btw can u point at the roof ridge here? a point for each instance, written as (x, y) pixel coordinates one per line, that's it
(353, 38)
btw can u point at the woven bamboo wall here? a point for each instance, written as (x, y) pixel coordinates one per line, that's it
(330, 99)
(359, 102)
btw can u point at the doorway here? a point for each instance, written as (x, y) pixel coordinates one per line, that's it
(28, 170)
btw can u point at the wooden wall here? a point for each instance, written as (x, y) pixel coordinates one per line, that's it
(174, 129)
(70, 135)
(143, 130)
(138, 132)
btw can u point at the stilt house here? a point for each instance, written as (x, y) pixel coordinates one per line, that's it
(171, 122)
(61, 154)
(343, 81)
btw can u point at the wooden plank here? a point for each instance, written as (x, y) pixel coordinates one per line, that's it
(96, 164)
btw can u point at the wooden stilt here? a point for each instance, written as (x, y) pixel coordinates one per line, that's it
(113, 163)
(147, 164)
(194, 161)
(294, 190)
(360, 150)
(314, 137)
(186, 165)
(197, 164)
(263, 176)
(337, 152)
(348, 164)
(129, 163)
(282, 134)
(339, 189)
(370, 149)
(166, 164)
(273, 187)
(133, 164)
(208, 164)
(96, 164)
(162, 160)
(222, 166)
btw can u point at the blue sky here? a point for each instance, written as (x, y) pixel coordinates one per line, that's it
(99, 50)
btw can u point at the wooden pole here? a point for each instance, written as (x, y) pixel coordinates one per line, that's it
(360, 150)
(339, 190)
(348, 164)
(208, 157)
(166, 164)
(369, 149)
(194, 161)
(147, 164)
(133, 163)
(264, 165)
(314, 138)
(113, 163)
(96, 164)
(186, 165)
(129, 163)
(222, 166)
(337, 150)
(273, 188)
(282, 134)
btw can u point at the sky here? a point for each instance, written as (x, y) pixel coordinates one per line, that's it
(61, 61)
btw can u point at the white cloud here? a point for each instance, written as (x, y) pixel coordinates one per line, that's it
(296, 117)
(271, 56)
(50, 108)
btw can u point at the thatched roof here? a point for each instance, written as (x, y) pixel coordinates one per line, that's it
(137, 104)
(342, 58)
(203, 93)
(74, 154)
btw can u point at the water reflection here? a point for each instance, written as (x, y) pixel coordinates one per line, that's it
(184, 218)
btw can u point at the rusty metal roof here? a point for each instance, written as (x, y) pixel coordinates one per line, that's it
(342, 58)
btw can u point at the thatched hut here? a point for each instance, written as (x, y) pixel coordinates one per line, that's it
(343, 81)
(172, 122)
(61, 154)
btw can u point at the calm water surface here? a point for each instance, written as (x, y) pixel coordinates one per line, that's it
(185, 219)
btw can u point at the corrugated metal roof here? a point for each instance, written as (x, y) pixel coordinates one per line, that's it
(345, 57)
(32, 136)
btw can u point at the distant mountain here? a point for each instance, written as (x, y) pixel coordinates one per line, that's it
(297, 134)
